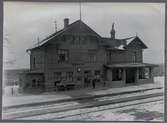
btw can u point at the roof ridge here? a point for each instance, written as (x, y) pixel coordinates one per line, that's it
(53, 34)
(59, 32)
(120, 39)
(128, 38)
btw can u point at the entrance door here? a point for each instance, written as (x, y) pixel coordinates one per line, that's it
(87, 78)
(78, 74)
(130, 75)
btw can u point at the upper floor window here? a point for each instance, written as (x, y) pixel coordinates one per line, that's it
(63, 56)
(92, 56)
(108, 56)
(134, 57)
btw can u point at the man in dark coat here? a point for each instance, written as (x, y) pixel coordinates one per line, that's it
(94, 82)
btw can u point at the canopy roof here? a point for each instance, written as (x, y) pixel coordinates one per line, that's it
(130, 65)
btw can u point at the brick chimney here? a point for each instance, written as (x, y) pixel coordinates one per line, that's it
(66, 22)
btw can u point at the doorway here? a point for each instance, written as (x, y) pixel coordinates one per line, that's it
(130, 75)
(87, 78)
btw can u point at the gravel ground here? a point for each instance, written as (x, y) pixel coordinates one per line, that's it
(153, 111)
(137, 110)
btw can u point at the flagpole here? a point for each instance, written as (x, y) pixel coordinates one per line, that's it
(80, 9)
(80, 21)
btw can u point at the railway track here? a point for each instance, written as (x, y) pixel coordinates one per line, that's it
(77, 107)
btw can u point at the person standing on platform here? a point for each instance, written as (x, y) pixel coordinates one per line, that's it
(94, 82)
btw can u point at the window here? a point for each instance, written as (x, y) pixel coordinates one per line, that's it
(92, 56)
(57, 75)
(134, 57)
(97, 72)
(117, 74)
(34, 62)
(38, 83)
(108, 56)
(87, 73)
(33, 83)
(144, 73)
(63, 56)
(79, 78)
(69, 76)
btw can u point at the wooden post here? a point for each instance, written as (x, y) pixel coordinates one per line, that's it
(137, 75)
(109, 76)
(151, 73)
(124, 75)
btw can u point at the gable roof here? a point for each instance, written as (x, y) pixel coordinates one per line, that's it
(128, 40)
(136, 43)
(122, 44)
(76, 27)
(115, 43)
(79, 27)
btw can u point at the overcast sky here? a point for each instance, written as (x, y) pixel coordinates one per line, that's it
(25, 21)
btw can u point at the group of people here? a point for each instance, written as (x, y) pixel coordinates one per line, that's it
(92, 81)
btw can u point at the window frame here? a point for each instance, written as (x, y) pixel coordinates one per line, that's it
(143, 72)
(57, 76)
(117, 74)
(62, 52)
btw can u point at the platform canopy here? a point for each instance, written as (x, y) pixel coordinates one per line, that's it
(130, 65)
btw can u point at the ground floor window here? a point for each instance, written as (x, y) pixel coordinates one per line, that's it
(36, 83)
(69, 76)
(117, 74)
(33, 83)
(57, 76)
(97, 72)
(87, 73)
(144, 73)
(87, 77)
(79, 78)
